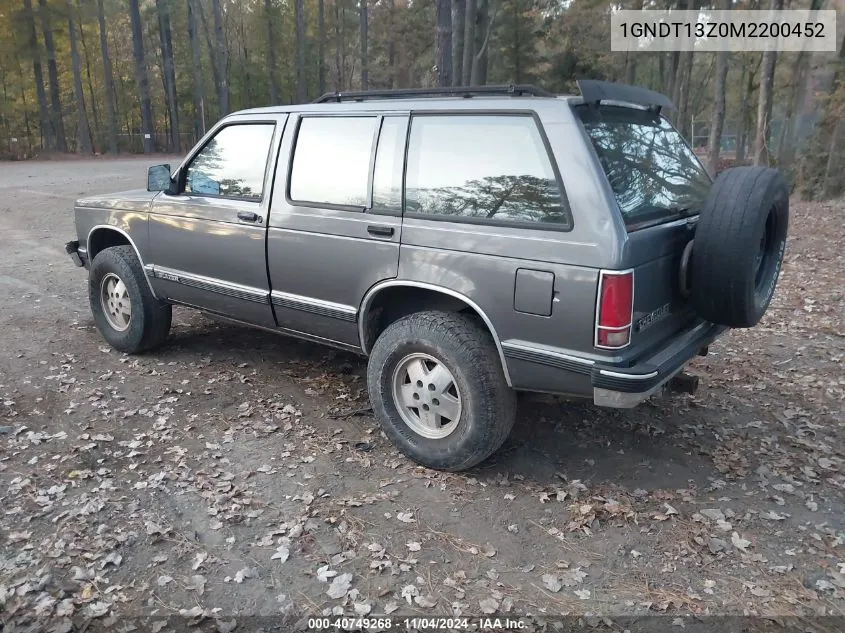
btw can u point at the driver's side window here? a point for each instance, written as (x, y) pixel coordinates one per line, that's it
(232, 164)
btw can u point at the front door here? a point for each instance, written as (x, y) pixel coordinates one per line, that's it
(334, 230)
(207, 241)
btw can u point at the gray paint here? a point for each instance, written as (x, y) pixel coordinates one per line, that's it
(316, 272)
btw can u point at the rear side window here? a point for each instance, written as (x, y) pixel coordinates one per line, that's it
(232, 163)
(390, 158)
(331, 162)
(482, 168)
(654, 175)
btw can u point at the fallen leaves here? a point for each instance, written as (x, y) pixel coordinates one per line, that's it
(339, 586)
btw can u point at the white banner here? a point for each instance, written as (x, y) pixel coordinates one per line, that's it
(717, 30)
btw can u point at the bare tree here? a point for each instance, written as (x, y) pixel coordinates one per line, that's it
(459, 13)
(299, 16)
(365, 71)
(47, 133)
(271, 51)
(53, 74)
(169, 71)
(469, 41)
(443, 32)
(483, 31)
(321, 46)
(83, 131)
(717, 118)
(108, 79)
(196, 59)
(221, 57)
(766, 96)
(141, 77)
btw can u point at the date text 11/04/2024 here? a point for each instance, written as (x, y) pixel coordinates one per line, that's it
(418, 624)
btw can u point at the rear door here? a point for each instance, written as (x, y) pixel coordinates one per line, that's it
(336, 219)
(207, 241)
(659, 186)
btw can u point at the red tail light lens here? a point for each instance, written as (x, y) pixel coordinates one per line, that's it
(615, 308)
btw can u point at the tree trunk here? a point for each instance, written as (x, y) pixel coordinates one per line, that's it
(717, 119)
(97, 133)
(459, 13)
(47, 133)
(321, 46)
(469, 41)
(53, 74)
(83, 131)
(271, 52)
(221, 55)
(747, 83)
(443, 32)
(486, 20)
(111, 111)
(631, 58)
(166, 40)
(365, 71)
(141, 76)
(196, 59)
(299, 16)
(764, 103)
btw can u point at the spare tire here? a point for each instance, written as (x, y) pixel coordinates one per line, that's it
(739, 245)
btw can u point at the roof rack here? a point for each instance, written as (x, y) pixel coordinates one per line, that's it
(513, 90)
(596, 91)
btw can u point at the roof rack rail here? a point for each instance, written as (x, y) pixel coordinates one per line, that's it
(513, 90)
(596, 91)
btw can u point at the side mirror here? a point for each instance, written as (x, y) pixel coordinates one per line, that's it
(158, 178)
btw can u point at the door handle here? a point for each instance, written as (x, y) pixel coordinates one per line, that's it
(248, 216)
(380, 230)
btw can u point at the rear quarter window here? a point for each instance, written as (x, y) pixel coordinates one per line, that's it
(654, 174)
(482, 169)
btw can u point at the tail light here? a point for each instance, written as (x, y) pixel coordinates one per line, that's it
(614, 309)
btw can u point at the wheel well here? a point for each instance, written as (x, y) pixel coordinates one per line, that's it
(105, 238)
(392, 303)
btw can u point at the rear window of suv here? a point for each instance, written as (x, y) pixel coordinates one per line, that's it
(654, 175)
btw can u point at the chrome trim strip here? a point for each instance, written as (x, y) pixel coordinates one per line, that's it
(320, 307)
(615, 374)
(211, 284)
(365, 304)
(126, 235)
(532, 354)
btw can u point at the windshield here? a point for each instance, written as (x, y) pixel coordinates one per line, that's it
(654, 174)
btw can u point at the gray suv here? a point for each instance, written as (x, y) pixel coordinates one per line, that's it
(472, 242)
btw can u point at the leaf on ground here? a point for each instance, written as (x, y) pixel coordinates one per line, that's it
(163, 581)
(740, 543)
(112, 558)
(97, 609)
(340, 585)
(426, 602)
(552, 582)
(583, 594)
(774, 516)
(324, 573)
(409, 592)
(488, 605)
(199, 559)
(197, 583)
(243, 574)
(281, 555)
(414, 546)
(406, 517)
(572, 577)
(488, 550)
(390, 607)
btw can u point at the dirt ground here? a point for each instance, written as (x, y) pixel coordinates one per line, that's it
(235, 474)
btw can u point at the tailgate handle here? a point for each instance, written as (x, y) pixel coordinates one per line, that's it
(248, 216)
(380, 230)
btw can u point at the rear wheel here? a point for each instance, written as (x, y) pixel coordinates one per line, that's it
(438, 390)
(739, 244)
(127, 314)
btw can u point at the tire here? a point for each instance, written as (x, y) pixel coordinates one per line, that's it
(148, 321)
(739, 244)
(487, 405)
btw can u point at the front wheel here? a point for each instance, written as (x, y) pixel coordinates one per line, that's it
(127, 314)
(438, 390)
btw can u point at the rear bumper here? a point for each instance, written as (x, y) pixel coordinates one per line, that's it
(78, 255)
(624, 387)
